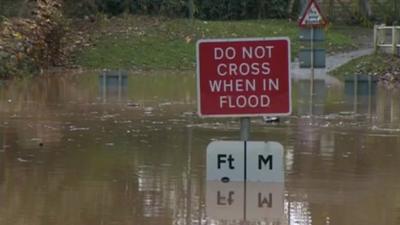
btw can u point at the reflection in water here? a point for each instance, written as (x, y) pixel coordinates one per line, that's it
(388, 108)
(253, 202)
(362, 96)
(113, 85)
(298, 212)
(360, 91)
(313, 104)
(67, 158)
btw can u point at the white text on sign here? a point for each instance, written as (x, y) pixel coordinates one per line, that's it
(245, 84)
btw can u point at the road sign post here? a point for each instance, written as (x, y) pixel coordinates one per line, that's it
(312, 69)
(312, 19)
(245, 123)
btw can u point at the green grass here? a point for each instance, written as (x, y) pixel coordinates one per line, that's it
(375, 64)
(154, 43)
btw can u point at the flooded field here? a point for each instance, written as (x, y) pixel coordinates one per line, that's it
(129, 149)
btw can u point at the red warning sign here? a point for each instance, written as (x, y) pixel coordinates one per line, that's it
(243, 77)
(312, 16)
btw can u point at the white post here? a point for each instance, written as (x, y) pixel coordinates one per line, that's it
(119, 86)
(370, 96)
(394, 40)
(104, 87)
(397, 45)
(375, 37)
(355, 93)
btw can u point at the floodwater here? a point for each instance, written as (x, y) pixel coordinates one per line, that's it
(90, 149)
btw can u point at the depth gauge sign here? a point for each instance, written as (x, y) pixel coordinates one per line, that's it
(243, 77)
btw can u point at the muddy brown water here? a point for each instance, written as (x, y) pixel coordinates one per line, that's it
(81, 149)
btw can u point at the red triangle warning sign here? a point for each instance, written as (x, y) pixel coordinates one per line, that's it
(312, 16)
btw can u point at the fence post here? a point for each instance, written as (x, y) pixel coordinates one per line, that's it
(375, 37)
(394, 40)
(397, 45)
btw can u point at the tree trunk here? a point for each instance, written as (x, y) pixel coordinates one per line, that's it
(331, 9)
(290, 7)
(191, 9)
(261, 5)
(345, 7)
(365, 8)
(396, 6)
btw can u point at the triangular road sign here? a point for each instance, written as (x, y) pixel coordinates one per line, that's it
(312, 16)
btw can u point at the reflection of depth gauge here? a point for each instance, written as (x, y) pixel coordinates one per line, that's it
(245, 201)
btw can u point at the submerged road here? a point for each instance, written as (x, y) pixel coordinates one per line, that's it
(332, 62)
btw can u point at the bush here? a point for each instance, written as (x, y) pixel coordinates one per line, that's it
(16, 8)
(203, 9)
(30, 45)
(173, 8)
(113, 7)
(79, 8)
(238, 9)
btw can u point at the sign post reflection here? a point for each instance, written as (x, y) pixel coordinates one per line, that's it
(250, 202)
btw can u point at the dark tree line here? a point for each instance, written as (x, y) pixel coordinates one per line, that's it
(387, 11)
(202, 9)
(371, 11)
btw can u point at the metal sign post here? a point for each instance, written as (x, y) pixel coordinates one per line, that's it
(245, 128)
(312, 70)
(312, 18)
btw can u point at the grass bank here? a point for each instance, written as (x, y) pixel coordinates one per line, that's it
(139, 42)
(382, 66)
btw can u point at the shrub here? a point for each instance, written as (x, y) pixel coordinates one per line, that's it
(203, 9)
(29, 45)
